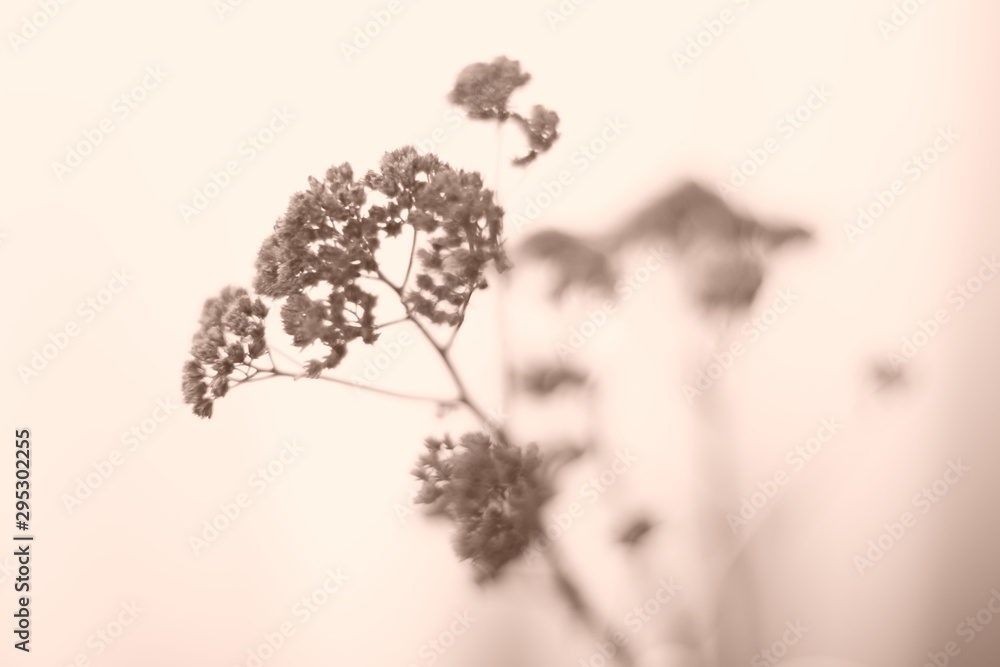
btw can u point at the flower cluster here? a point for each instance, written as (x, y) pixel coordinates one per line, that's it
(323, 238)
(493, 492)
(542, 130)
(576, 261)
(324, 247)
(457, 221)
(483, 90)
(230, 335)
(329, 236)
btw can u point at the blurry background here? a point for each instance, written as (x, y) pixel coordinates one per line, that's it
(341, 504)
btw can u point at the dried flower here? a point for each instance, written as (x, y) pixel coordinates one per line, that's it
(576, 261)
(328, 237)
(484, 89)
(635, 531)
(231, 334)
(542, 130)
(493, 492)
(543, 380)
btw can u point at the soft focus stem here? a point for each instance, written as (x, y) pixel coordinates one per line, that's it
(573, 596)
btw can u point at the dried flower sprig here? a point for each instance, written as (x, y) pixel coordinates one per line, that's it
(230, 336)
(483, 90)
(492, 491)
(327, 241)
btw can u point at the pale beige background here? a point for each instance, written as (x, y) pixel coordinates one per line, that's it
(335, 506)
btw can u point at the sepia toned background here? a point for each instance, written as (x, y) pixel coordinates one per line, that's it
(201, 78)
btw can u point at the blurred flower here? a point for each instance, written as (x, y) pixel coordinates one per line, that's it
(635, 531)
(691, 213)
(543, 380)
(725, 277)
(484, 89)
(577, 263)
(723, 248)
(493, 493)
(541, 130)
(888, 375)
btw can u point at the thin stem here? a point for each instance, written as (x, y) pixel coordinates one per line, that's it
(413, 252)
(286, 355)
(573, 596)
(461, 319)
(269, 373)
(395, 288)
(499, 164)
(398, 320)
(442, 352)
(506, 367)
(567, 587)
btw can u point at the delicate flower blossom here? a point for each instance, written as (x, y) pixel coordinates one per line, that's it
(230, 337)
(493, 493)
(483, 89)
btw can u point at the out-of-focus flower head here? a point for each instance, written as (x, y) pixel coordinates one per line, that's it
(493, 493)
(483, 89)
(542, 130)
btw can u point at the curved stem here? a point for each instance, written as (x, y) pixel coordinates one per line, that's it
(499, 157)
(573, 596)
(398, 320)
(269, 373)
(442, 352)
(409, 265)
(461, 319)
